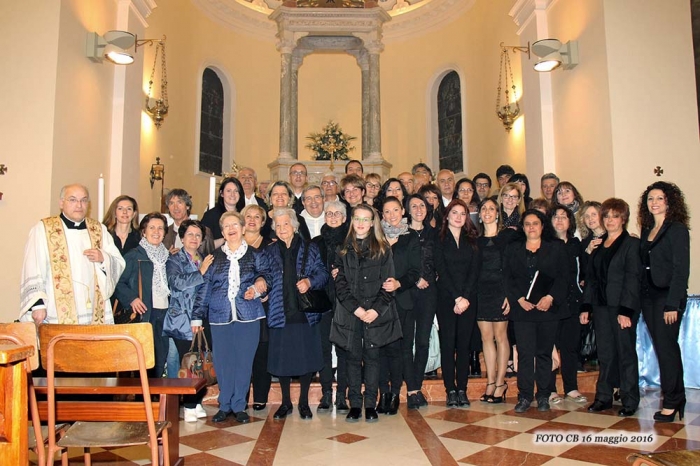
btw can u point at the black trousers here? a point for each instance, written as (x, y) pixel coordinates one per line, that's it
(326, 374)
(416, 328)
(392, 357)
(668, 352)
(617, 357)
(535, 344)
(568, 341)
(358, 358)
(455, 343)
(261, 378)
(161, 344)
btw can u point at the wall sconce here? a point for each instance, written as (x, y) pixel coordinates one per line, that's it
(157, 172)
(553, 54)
(114, 46)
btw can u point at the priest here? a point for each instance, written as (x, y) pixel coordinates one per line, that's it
(71, 266)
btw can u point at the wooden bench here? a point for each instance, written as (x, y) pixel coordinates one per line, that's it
(168, 390)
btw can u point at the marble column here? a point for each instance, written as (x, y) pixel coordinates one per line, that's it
(286, 117)
(294, 127)
(374, 118)
(363, 62)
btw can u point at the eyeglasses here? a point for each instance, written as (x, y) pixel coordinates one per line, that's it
(361, 219)
(374, 185)
(73, 200)
(298, 173)
(331, 214)
(194, 235)
(482, 185)
(328, 183)
(465, 190)
(513, 197)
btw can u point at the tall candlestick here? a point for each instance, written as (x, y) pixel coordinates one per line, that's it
(100, 198)
(212, 190)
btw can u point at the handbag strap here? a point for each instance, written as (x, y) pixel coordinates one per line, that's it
(199, 336)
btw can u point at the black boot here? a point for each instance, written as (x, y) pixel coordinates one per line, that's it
(474, 365)
(326, 401)
(384, 402)
(393, 406)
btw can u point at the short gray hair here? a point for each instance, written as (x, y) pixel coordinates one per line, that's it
(338, 205)
(75, 185)
(281, 212)
(549, 176)
(309, 188)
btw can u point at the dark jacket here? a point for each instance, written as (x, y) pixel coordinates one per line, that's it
(315, 271)
(183, 280)
(427, 239)
(212, 297)
(132, 240)
(127, 288)
(210, 219)
(204, 250)
(552, 263)
(407, 255)
(457, 268)
(574, 252)
(622, 288)
(359, 284)
(669, 263)
(328, 242)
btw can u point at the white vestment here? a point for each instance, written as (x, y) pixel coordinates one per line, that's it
(37, 279)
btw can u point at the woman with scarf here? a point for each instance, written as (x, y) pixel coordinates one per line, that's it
(567, 195)
(424, 301)
(396, 359)
(365, 316)
(457, 265)
(230, 299)
(295, 338)
(144, 285)
(332, 237)
(512, 205)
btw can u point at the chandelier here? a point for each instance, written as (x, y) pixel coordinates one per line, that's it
(157, 109)
(510, 110)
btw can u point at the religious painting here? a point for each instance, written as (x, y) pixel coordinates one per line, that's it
(449, 103)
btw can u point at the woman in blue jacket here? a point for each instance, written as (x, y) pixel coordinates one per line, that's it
(229, 298)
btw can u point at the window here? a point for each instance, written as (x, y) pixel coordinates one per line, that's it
(449, 107)
(211, 132)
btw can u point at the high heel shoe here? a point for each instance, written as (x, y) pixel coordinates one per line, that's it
(499, 399)
(660, 417)
(485, 397)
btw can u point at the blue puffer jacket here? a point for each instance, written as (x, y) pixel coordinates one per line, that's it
(183, 280)
(315, 271)
(212, 298)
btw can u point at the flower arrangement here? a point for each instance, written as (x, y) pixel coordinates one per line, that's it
(331, 143)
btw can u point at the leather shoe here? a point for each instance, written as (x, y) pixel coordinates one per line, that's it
(462, 399)
(598, 406)
(371, 415)
(421, 399)
(412, 401)
(221, 416)
(305, 412)
(543, 405)
(452, 400)
(384, 402)
(393, 406)
(341, 406)
(354, 415)
(626, 412)
(326, 401)
(523, 405)
(242, 417)
(283, 411)
(259, 406)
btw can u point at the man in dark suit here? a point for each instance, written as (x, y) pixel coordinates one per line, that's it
(249, 181)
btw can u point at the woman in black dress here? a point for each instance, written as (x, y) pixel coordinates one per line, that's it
(492, 304)
(612, 294)
(665, 252)
(424, 300)
(456, 262)
(295, 345)
(433, 196)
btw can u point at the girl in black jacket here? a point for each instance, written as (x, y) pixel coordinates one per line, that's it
(365, 315)
(456, 262)
(665, 255)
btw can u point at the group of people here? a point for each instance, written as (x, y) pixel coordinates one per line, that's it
(392, 256)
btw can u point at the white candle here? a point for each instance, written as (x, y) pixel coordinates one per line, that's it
(212, 190)
(100, 198)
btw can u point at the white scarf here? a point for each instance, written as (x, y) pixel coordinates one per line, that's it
(159, 256)
(234, 273)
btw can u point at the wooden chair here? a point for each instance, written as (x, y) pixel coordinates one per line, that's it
(24, 333)
(99, 349)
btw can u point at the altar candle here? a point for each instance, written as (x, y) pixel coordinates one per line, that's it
(212, 190)
(100, 198)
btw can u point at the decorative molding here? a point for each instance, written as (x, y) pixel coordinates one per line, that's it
(252, 17)
(142, 9)
(523, 10)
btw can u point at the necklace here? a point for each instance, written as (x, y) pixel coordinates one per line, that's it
(254, 243)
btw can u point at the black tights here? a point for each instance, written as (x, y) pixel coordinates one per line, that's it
(304, 382)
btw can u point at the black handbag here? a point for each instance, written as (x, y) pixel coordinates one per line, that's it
(589, 348)
(313, 301)
(125, 315)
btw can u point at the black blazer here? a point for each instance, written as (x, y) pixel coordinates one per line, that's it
(552, 262)
(623, 281)
(457, 268)
(407, 256)
(669, 259)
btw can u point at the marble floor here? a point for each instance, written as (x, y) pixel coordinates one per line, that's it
(480, 435)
